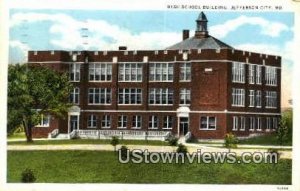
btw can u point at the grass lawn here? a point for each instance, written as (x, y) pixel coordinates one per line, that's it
(88, 141)
(17, 136)
(103, 167)
(264, 140)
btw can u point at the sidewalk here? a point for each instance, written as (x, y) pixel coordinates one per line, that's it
(150, 148)
(242, 145)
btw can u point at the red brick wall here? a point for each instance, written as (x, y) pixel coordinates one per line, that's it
(211, 91)
(42, 132)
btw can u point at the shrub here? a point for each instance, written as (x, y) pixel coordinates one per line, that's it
(230, 141)
(114, 142)
(124, 151)
(284, 132)
(274, 151)
(28, 176)
(182, 149)
(173, 141)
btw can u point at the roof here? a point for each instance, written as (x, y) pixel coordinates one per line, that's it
(209, 42)
(202, 17)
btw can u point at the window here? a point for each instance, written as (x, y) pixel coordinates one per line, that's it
(258, 74)
(92, 121)
(99, 96)
(185, 72)
(162, 72)
(136, 121)
(74, 72)
(208, 123)
(258, 98)
(258, 127)
(185, 96)
(130, 72)
(251, 73)
(251, 98)
(243, 124)
(44, 121)
(235, 123)
(238, 72)
(130, 96)
(269, 123)
(271, 99)
(153, 122)
(122, 121)
(238, 97)
(106, 121)
(74, 96)
(100, 72)
(168, 122)
(252, 124)
(275, 123)
(271, 76)
(160, 96)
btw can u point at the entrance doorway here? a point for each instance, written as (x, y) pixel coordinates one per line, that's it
(183, 125)
(73, 122)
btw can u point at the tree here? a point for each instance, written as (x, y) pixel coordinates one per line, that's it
(230, 141)
(284, 132)
(34, 91)
(114, 142)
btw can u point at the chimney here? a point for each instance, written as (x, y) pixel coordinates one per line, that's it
(185, 34)
(122, 48)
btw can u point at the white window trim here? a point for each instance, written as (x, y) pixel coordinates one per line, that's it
(184, 92)
(169, 117)
(132, 66)
(73, 95)
(123, 120)
(136, 122)
(251, 73)
(271, 76)
(207, 123)
(152, 122)
(163, 66)
(73, 67)
(258, 103)
(238, 94)
(159, 91)
(271, 98)
(101, 66)
(106, 121)
(242, 123)
(235, 123)
(130, 94)
(183, 69)
(252, 98)
(91, 120)
(238, 72)
(258, 122)
(41, 124)
(274, 123)
(105, 96)
(258, 76)
(252, 123)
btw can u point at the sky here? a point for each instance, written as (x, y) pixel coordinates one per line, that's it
(263, 32)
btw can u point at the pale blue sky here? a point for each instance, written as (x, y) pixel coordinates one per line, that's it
(38, 36)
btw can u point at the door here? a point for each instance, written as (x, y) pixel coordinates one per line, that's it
(73, 122)
(183, 125)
